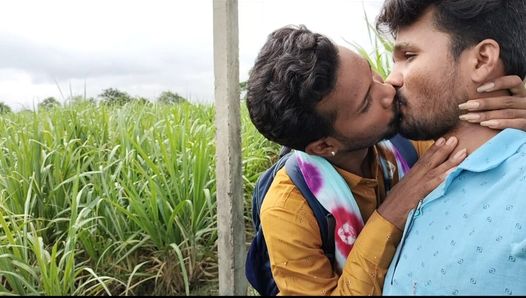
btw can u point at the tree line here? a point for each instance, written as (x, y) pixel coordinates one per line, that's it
(110, 96)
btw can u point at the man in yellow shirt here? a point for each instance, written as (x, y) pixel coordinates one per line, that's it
(306, 93)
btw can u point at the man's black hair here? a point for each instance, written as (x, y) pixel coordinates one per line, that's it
(293, 72)
(467, 22)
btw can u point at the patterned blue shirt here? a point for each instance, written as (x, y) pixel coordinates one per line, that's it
(468, 237)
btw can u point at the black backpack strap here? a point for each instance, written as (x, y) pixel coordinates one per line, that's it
(263, 184)
(283, 151)
(257, 266)
(406, 148)
(325, 219)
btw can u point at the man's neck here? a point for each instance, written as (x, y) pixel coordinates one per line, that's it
(470, 136)
(356, 162)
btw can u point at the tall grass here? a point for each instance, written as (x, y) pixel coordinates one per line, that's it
(99, 200)
(380, 57)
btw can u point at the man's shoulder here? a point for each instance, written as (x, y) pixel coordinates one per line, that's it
(285, 202)
(282, 193)
(508, 145)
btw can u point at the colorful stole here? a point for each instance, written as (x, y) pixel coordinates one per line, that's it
(389, 169)
(334, 194)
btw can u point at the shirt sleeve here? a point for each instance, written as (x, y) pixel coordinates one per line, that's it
(372, 253)
(298, 264)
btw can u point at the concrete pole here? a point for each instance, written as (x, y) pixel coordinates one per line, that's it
(230, 220)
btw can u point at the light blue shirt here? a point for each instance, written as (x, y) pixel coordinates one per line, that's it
(468, 237)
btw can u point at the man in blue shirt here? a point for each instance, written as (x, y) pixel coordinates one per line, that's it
(469, 235)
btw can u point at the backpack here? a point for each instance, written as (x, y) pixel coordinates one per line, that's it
(257, 265)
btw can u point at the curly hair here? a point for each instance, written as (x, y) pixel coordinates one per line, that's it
(293, 72)
(468, 22)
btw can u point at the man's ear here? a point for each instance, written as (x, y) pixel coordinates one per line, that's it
(324, 147)
(485, 60)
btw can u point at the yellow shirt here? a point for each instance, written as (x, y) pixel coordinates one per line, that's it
(292, 235)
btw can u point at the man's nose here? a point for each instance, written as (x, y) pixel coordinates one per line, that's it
(395, 78)
(388, 96)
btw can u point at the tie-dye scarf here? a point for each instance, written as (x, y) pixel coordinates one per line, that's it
(334, 194)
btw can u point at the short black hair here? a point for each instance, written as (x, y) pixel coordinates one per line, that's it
(293, 72)
(467, 22)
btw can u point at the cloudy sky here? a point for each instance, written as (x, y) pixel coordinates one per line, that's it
(67, 47)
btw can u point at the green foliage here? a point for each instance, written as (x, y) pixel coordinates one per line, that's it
(243, 86)
(106, 200)
(142, 100)
(381, 56)
(4, 108)
(49, 103)
(79, 100)
(243, 89)
(170, 98)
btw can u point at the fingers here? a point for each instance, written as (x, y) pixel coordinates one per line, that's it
(423, 178)
(494, 103)
(505, 123)
(494, 115)
(444, 169)
(513, 83)
(439, 174)
(437, 154)
(519, 90)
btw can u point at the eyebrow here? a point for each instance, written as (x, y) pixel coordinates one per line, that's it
(401, 46)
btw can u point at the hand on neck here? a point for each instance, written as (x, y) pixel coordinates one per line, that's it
(472, 135)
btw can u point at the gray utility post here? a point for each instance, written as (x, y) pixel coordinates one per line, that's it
(230, 220)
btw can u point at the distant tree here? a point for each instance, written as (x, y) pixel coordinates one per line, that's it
(4, 108)
(49, 103)
(79, 99)
(113, 96)
(170, 98)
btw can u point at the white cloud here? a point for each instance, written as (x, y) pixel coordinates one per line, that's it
(144, 47)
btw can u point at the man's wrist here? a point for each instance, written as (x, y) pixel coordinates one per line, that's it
(395, 214)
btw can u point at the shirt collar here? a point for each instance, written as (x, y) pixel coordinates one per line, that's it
(354, 180)
(495, 151)
(490, 155)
